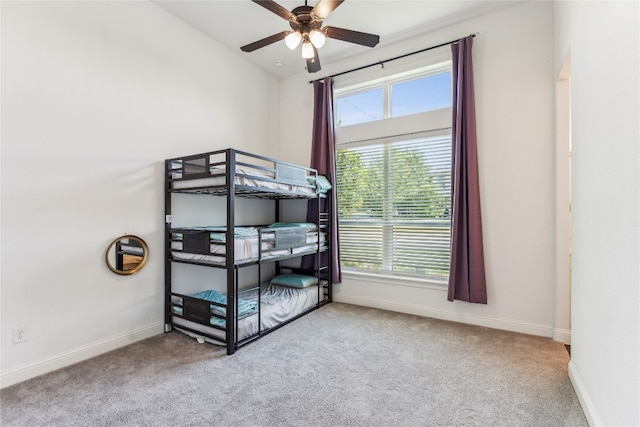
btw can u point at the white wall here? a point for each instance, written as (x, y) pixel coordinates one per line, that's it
(513, 58)
(95, 95)
(603, 41)
(562, 323)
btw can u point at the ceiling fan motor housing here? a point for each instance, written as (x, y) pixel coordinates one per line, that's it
(305, 20)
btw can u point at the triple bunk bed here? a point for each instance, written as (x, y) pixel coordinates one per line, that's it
(289, 254)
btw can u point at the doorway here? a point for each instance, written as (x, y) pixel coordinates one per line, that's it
(562, 322)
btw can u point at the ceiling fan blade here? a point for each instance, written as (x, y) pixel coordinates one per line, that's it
(351, 36)
(324, 7)
(313, 64)
(264, 42)
(276, 8)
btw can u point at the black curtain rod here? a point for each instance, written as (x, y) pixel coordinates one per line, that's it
(391, 59)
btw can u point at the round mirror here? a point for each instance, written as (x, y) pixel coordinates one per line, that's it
(127, 254)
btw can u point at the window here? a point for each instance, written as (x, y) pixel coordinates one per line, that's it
(422, 94)
(396, 96)
(394, 175)
(360, 107)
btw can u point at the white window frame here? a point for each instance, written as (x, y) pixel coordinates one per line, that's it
(429, 123)
(386, 83)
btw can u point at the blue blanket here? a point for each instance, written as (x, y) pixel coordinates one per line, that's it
(245, 307)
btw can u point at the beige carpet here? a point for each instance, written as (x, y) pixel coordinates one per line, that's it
(341, 365)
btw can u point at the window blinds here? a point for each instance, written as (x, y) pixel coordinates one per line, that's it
(394, 202)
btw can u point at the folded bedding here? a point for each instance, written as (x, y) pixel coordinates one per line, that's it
(214, 321)
(245, 307)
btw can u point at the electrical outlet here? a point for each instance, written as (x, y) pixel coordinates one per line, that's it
(19, 335)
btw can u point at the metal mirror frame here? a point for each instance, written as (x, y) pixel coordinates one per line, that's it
(145, 255)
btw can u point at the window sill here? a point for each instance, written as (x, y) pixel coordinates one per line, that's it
(390, 279)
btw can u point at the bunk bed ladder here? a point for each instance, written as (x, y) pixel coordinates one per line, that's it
(230, 252)
(167, 247)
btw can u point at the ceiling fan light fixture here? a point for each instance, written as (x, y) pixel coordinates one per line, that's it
(317, 38)
(307, 50)
(292, 40)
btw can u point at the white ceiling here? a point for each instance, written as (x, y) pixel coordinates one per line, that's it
(235, 23)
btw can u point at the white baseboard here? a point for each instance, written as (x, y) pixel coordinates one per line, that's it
(587, 406)
(67, 358)
(562, 335)
(489, 322)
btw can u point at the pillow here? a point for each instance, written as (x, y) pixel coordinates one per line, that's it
(294, 280)
(322, 183)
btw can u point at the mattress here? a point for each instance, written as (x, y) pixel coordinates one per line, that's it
(250, 177)
(221, 260)
(278, 304)
(268, 244)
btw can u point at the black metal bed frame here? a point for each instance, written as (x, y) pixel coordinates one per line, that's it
(208, 165)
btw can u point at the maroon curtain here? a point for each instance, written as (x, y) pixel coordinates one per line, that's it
(466, 274)
(323, 159)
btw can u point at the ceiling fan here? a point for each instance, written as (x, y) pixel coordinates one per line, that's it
(306, 23)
